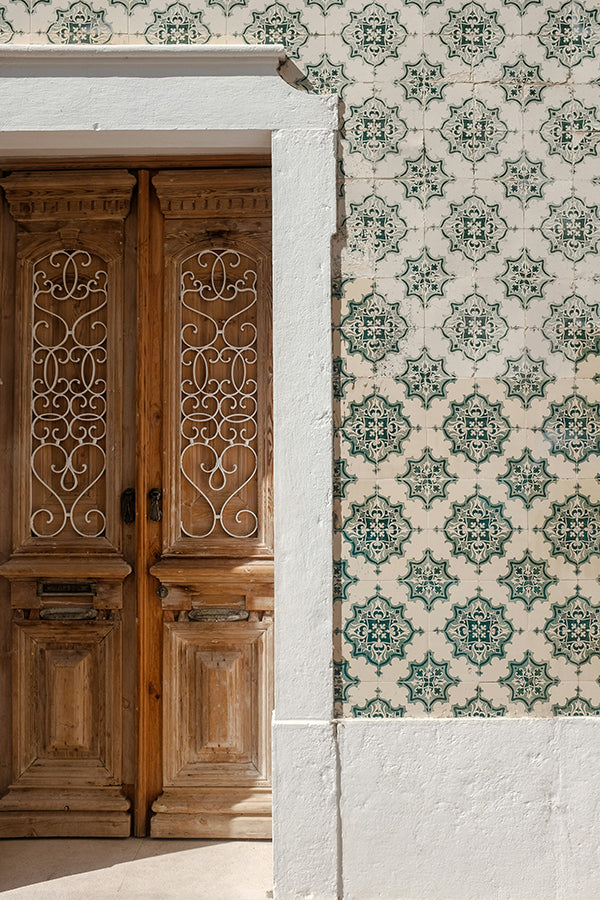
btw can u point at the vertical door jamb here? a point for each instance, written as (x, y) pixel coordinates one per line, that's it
(7, 362)
(148, 475)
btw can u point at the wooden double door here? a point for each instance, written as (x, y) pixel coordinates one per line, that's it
(136, 525)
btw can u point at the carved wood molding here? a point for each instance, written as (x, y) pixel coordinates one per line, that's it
(220, 571)
(212, 193)
(54, 196)
(24, 567)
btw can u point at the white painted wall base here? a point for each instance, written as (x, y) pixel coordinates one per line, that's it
(470, 809)
(305, 795)
(501, 809)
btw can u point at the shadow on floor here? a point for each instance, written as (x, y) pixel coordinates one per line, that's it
(136, 867)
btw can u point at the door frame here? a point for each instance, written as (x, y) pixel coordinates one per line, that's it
(126, 101)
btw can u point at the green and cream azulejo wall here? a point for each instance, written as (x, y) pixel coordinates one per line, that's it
(466, 324)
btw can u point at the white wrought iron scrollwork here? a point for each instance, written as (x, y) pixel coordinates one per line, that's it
(219, 394)
(69, 395)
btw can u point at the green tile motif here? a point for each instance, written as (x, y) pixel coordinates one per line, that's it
(573, 228)
(527, 478)
(427, 478)
(425, 277)
(378, 631)
(377, 529)
(528, 681)
(522, 83)
(476, 428)
(79, 24)
(426, 377)
(378, 709)
(478, 708)
(472, 33)
(523, 178)
(422, 81)
(524, 278)
(478, 529)
(373, 327)
(474, 130)
(177, 25)
(572, 132)
(574, 629)
(576, 706)
(573, 429)
(474, 227)
(525, 378)
(475, 327)
(327, 77)
(478, 631)
(424, 178)
(374, 34)
(277, 25)
(375, 428)
(573, 328)
(374, 227)
(428, 682)
(6, 30)
(428, 580)
(374, 129)
(527, 580)
(466, 370)
(571, 33)
(573, 529)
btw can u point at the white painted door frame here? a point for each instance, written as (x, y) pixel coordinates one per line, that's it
(129, 101)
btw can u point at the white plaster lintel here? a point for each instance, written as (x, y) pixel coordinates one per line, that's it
(240, 59)
(124, 99)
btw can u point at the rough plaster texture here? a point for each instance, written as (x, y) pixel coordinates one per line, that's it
(305, 828)
(446, 810)
(303, 422)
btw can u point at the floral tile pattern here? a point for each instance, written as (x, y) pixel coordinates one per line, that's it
(466, 370)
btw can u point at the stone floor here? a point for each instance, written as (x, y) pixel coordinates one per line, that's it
(135, 869)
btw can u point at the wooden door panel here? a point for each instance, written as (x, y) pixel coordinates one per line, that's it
(69, 298)
(67, 724)
(217, 703)
(67, 565)
(67, 681)
(217, 331)
(217, 555)
(218, 684)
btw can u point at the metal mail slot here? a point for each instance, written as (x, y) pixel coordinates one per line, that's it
(213, 614)
(69, 614)
(66, 588)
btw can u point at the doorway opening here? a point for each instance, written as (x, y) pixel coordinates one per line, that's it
(139, 538)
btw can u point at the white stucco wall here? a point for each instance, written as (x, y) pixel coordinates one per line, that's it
(470, 809)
